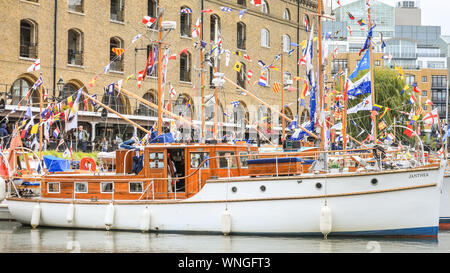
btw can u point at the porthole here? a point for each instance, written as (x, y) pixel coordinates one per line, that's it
(234, 189)
(262, 188)
(374, 181)
(318, 186)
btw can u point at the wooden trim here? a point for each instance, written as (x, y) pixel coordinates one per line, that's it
(177, 202)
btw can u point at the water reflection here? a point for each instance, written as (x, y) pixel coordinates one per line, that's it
(17, 238)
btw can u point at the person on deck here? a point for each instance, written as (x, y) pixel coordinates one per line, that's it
(83, 138)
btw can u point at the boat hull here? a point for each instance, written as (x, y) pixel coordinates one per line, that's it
(444, 214)
(398, 204)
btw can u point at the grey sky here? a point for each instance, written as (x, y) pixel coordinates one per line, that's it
(434, 12)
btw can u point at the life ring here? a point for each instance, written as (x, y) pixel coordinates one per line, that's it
(84, 164)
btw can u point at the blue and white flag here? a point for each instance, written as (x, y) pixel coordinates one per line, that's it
(110, 88)
(362, 65)
(360, 87)
(294, 124)
(226, 9)
(38, 83)
(241, 13)
(137, 37)
(235, 103)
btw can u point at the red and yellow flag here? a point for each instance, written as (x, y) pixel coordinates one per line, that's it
(276, 87)
(118, 51)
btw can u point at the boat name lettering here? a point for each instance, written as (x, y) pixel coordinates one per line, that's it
(418, 175)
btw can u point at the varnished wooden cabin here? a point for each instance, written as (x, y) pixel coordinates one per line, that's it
(147, 184)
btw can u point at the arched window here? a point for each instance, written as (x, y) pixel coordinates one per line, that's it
(287, 14)
(265, 38)
(288, 113)
(76, 5)
(71, 89)
(286, 43)
(214, 28)
(20, 89)
(185, 23)
(153, 71)
(264, 7)
(117, 10)
(145, 110)
(304, 116)
(115, 102)
(241, 35)
(184, 106)
(116, 61)
(210, 109)
(240, 117)
(152, 10)
(185, 67)
(242, 3)
(28, 39)
(75, 47)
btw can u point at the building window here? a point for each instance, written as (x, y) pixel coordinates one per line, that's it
(286, 43)
(81, 187)
(265, 38)
(53, 187)
(145, 110)
(377, 63)
(185, 23)
(287, 14)
(28, 39)
(76, 5)
(264, 7)
(337, 65)
(242, 76)
(114, 101)
(185, 67)
(20, 89)
(439, 81)
(152, 8)
(424, 93)
(117, 10)
(242, 3)
(136, 187)
(71, 89)
(75, 47)
(410, 79)
(152, 71)
(241, 35)
(116, 61)
(184, 106)
(214, 28)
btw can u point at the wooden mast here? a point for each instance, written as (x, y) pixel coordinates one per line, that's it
(372, 78)
(322, 128)
(202, 78)
(344, 118)
(159, 72)
(41, 130)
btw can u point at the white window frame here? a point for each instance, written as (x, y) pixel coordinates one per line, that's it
(59, 187)
(84, 183)
(265, 38)
(136, 182)
(245, 155)
(101, 187)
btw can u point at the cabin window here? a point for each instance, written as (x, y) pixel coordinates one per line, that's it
(243, 159)
(53, 187)
(106, 187)
(136, 187)
(81, 187)
(197, 158)
(156, 160)
(223, 161)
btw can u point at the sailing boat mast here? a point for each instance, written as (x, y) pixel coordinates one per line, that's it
(202, 76)
(41, 130)
(283, 134)
(322, 127)
(372, 77)
(159, 71)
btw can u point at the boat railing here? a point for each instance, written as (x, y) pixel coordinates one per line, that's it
(152, 184)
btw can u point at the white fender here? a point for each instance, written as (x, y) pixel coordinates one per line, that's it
(226, 222)
(145, 220)
(2, 189)
(35, 216)
(325, 221)
(70, 213)
(109, 216)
